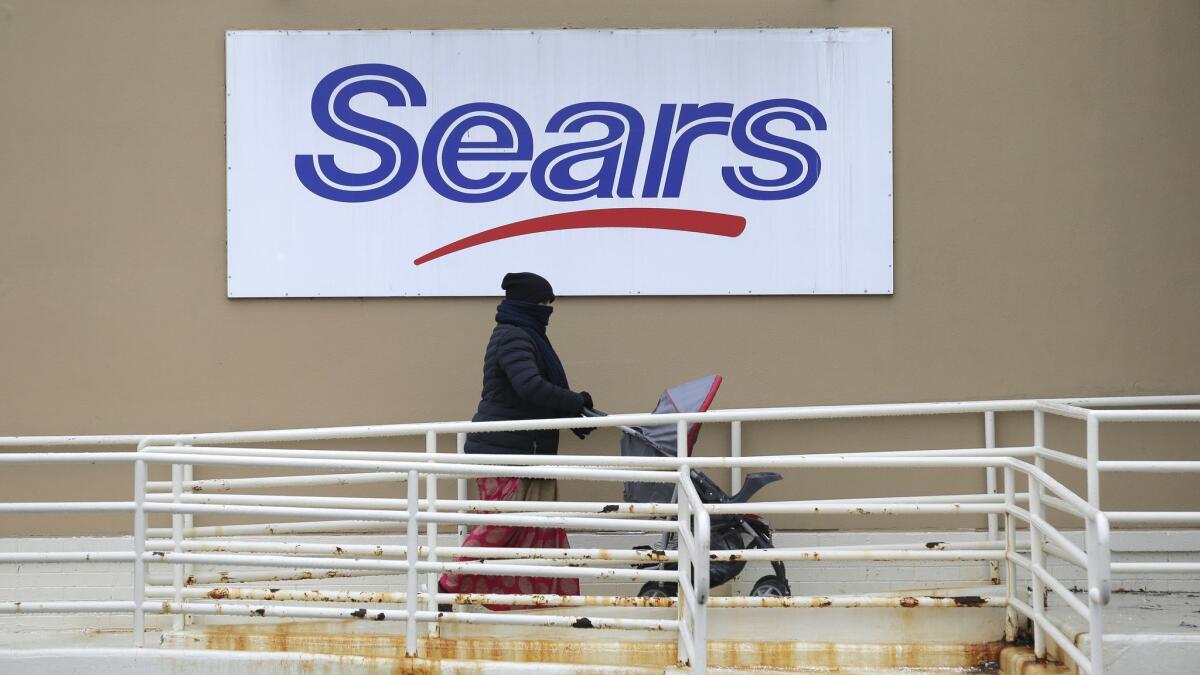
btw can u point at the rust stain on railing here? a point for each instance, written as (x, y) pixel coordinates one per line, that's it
(582, 655)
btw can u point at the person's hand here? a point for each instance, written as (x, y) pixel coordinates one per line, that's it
(588, 404)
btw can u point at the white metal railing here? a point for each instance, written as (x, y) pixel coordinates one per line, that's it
(183, 544)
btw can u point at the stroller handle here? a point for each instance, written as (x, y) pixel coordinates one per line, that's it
(592, 412)
(632, 431)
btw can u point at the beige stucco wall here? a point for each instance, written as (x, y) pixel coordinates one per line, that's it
(1045, 218)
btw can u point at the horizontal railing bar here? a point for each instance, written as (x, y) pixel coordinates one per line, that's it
(285, 511)
(1063, 409)
(71, 441)
(271, 529)
(1144, 517)
(549, 600)
(368, 597)
(24, 557)
(1008, 451)
(860, 508)
(67, 457)
(1063, 458)
(276, 529)
(423, 468)
(70, 507)
(819, 555)
(1157, 567)
(1149, 466)
(289, 574)
(551, 466)
(861, 601)
(636, 419)
(68, 607)
(1147, 415)
(386, 551)
(573, 460)
(359, 564)
(227, 484)
(283, 611)
(979, 498)
(470, 505)
(926, 546)
(171, 455)
(519, 520)
(943, 551)
(1101, 401)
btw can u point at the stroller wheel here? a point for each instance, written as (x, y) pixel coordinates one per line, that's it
(657, 589)
(770, 586)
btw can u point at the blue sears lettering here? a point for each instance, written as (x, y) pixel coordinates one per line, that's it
(606, 167)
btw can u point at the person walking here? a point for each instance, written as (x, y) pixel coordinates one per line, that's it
(523, 379)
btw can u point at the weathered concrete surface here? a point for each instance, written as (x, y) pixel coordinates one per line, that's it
(1022, 661)
(1144, 633)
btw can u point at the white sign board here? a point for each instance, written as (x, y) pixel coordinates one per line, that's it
(653, 162)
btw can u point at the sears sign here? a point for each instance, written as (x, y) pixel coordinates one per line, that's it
(427, 163)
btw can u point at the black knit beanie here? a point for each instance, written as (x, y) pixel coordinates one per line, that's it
(526, 286)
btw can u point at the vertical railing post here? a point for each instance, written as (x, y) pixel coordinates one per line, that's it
(735, 451)
(993, 520)
(189, 522)
(1093, 461)
(700, 580)
(461, 448)
(683, 593)
(177, 621)
(1010, 547)
(1098, 551)
(431, 529)
(410, 573)
(139, 553)
(1099, 557)
(1038, 512)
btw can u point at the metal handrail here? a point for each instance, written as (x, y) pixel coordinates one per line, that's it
(690, 526)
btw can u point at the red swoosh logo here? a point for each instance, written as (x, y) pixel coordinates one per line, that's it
(681, 220)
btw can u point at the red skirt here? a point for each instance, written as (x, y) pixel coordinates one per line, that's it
(509, 536)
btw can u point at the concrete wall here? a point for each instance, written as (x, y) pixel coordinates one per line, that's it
(1045, 219)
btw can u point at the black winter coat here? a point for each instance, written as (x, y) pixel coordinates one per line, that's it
(515, 388)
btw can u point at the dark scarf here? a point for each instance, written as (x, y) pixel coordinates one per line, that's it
(534, 318)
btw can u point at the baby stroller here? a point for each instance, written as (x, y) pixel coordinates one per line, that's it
(729, 531)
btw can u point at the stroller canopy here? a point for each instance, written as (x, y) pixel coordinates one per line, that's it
(661, 439)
